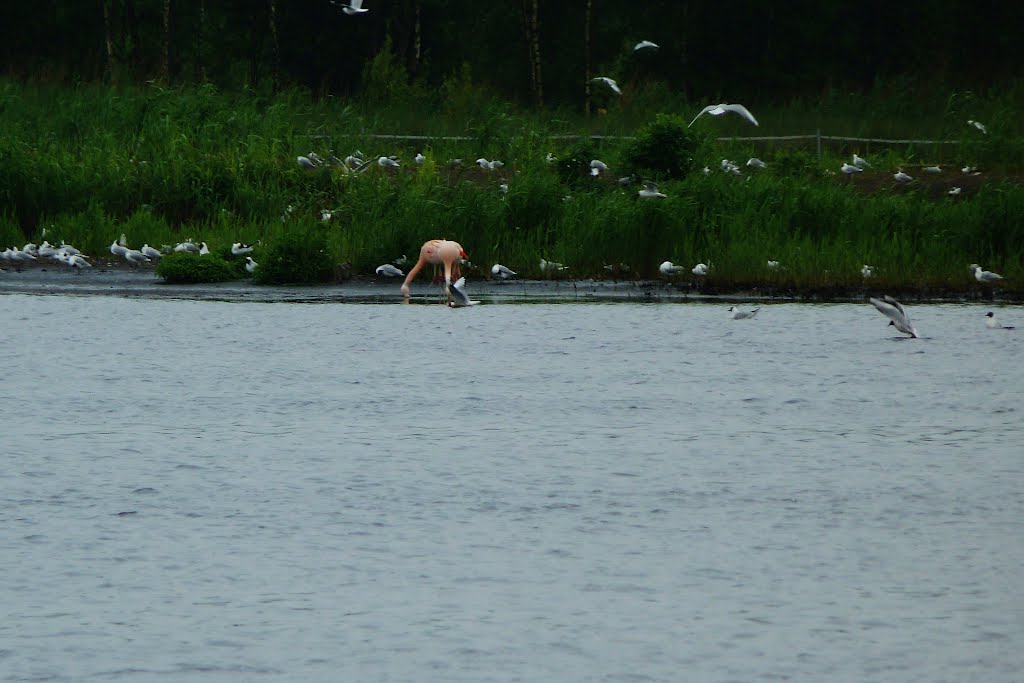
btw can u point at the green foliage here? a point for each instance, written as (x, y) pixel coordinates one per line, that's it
(186, 268)
(302, 257)
(665, 148)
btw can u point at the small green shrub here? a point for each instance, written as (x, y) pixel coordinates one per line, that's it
(665, 148)
(185, 268)
(297, 258)
(574, 167)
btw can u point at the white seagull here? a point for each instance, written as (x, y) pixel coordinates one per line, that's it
(719, 109)
(419, 158)
(977, 125)
(117, 249)
(773, 264)
(76, 261)
(969, 169)
(892, 309)
(867, 271)
(932, 169)
(737, 314)
(135, 257)
(187, 245)
(203, 249)
(984, 275)
(954, 191)
(902, 177)
(643, 44)
(306, 163)
(993, 324)
(609, 82)
(459, 298)
(388, 270)
(150, 251)
(700, 269)
(650, 191)
(550, 266)
(353, 7)
(668, 268)
(385, 162)
(250, 265)
(754, 162)
(502, 273)
(859, 161)
(240, 249)
(850, 169)
(596, 166)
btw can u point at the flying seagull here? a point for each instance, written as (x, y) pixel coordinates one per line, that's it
(609, 82)
(719, 109)
(459, 297)
(892, 309)
(645, 44)
(353, 7)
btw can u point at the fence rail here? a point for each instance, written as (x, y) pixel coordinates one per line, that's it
(816, 136)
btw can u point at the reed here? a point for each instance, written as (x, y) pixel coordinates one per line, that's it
(161, 165)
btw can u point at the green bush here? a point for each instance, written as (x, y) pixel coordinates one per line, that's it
(663, 149)
(297, 258)
(185, 268)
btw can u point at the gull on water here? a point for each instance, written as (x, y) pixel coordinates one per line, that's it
(650, 191)
(609, 82)
(893, 310)
(737, 314)
(993, 324)
(984, 275)
(754, 162)
(388, 270)
(850, 169)
(977, 125)
(645, 44)
(502, 273)
(250, 265)
(859, 161)
(719, 109)
(669, 268)
(459, 298)
(902, 177)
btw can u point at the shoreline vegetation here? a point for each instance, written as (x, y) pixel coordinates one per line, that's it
(162, 165)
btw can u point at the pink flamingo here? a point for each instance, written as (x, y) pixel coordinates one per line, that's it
(437, 252)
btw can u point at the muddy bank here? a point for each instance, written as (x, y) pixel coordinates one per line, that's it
(124, 282)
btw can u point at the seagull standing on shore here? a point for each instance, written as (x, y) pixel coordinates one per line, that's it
(719, 109)
(250, 265)
(502, 273)
(984, 276)
(150, 251)
(669, 269)
(893, 310)
(388, 270)
(135, 257)
(117, 249)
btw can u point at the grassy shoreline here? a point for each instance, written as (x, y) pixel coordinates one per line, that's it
(162, 165)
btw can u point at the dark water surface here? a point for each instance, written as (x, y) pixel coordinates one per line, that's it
(196, 490)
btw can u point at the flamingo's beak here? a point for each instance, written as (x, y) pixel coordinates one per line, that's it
(462, 253)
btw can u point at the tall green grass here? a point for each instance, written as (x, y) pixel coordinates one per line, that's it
(162, 165)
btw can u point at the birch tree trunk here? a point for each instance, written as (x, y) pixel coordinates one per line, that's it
(586, 56)
(531, 24)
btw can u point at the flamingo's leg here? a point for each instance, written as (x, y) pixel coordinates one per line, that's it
(412, 274)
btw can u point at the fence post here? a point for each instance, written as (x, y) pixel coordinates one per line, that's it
(817, 137)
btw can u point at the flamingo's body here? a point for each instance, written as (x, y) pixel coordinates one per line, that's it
(437, 252)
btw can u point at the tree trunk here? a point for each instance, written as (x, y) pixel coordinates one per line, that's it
(110, 42)
(201, 74)
(586, 56)
(531, 23)
(165, 67)
(417, 44)
(275, 47)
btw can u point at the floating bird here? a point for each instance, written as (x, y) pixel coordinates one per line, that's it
(240, 249)
(932, 169)
(150, 252)
(353, 7)
(984, 275)
(993, 324)
(700, 270)
(773, 264)
(867, 271)
(117, 249)
(306, 163)
(250, 265)
(610, 83)
(502, 273)
(669, 269)
(419, 158)
(550, 266)
(902, 177)
(954, 191)
(437, 252)
(385, 162)
(754, 162)
(643, 44)
(737, 314)
(719, 109)
(859, 161)
(650, 191)
(388, 270)
(977, 125)
(893, 310)
(458, 297)
(596, 166)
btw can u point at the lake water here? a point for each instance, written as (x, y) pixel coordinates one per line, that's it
(211, 491)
